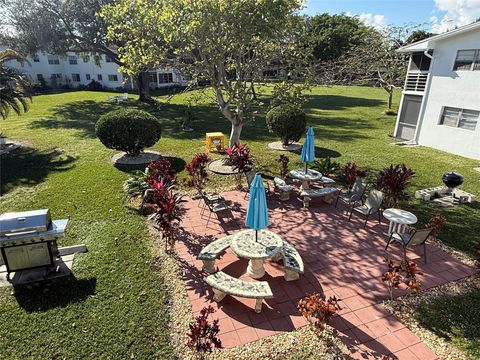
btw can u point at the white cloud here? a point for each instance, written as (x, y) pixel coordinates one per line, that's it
(376, 21)
(455, 13)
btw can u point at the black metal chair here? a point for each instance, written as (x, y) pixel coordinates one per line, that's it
(411, 238)
(370, 207)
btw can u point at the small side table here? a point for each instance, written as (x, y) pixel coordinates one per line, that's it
(398, 219)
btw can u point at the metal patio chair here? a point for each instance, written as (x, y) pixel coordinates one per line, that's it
(354, 195)
(411, 238)
(370, 207)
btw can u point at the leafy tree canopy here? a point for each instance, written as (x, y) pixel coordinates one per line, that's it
(331, 36)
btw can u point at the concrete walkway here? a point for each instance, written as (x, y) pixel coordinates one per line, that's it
(341, 259)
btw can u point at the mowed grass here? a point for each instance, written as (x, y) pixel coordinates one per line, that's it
(116, 307)
(456, 319)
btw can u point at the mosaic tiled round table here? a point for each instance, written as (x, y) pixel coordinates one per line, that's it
(268, 245)
(306, 176)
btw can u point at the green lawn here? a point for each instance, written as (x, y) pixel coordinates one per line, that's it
(116, 307)
(455, 319)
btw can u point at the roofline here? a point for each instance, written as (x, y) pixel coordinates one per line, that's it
(416, 46)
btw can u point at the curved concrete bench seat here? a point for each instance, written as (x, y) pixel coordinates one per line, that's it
(224, 284)
(292, 262)
(328, 194)
(211, 252)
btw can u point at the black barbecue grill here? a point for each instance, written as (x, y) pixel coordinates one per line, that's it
(28, 239)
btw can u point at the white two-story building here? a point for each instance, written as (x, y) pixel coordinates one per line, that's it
(440, 104)
(76, 69)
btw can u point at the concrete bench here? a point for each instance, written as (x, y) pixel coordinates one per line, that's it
(224, 284)
(292, 262)
(283, 189)
(211, 252)
(326, 181)
(327, 194)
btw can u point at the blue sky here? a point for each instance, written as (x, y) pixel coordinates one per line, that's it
(437, 15)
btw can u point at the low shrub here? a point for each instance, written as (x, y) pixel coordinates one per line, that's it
(393, 182)
(197, 170)
(283, 160)
(436, 223)
(318, 311)
(128, 130)
(160, 169)
(326, 166)
(203, 334)
(351, 171)
(404, 272)
(288, 122)
(94, 86)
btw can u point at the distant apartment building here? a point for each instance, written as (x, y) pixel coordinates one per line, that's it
(75, 69)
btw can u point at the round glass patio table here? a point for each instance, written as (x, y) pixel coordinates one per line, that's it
(398, 219)
(267, 245)
(306, 176)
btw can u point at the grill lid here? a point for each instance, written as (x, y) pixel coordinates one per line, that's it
(14, 222)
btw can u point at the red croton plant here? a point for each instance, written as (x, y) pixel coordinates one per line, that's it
(239, 158)
(197, 170)
(351, 171)
(318, 311)
(405, 272)
(162, 168)
(203, 334)
(168, 210)
(393, 182)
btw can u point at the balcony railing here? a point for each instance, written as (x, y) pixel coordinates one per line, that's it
(416, 82)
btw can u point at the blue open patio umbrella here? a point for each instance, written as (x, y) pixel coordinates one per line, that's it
(308, 149)
(257, 212)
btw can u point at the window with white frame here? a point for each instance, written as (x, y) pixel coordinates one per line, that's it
(112, 77)
(86, 58)
(53, 60)
(166, 78)
(72, 59)
(108, 59)
(460, 118)
(467, 60)
(40, 77)
(87, 76)
(56, 76)
(76, 77)
(35, 58)
(99, 77)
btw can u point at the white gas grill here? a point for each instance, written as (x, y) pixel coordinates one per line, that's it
(28, 239)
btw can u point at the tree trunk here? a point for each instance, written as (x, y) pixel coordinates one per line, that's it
(390, 96)
(235, 134)
(254, 94)
(143, 87)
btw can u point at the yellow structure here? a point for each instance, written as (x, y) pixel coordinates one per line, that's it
(215, 142)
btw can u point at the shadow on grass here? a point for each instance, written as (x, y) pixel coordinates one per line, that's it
(447, 318)
(178, 165)
(82, 116)
(30, 167)
(58, 293)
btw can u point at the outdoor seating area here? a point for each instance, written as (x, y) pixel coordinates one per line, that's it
(325, 253)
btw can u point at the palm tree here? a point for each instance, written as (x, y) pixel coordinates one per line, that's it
(14, 85)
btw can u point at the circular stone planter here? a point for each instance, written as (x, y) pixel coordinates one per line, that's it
(278, 146)
(221, 167)
(122, 160)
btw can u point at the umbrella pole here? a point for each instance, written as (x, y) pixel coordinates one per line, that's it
(256, 235)
(306, 164)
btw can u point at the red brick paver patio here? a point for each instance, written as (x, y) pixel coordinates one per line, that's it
(341, 258)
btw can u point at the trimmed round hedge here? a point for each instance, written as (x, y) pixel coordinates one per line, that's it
(129, 130)
(288, 122)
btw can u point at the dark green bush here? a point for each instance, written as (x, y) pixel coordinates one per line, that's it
(129, 130)
(288, 122)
